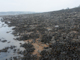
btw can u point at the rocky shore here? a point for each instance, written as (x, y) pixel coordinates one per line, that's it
(47, 36)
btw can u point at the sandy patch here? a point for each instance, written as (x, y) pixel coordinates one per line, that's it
(38, 46)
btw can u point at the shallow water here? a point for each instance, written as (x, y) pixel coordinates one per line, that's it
(6, 34)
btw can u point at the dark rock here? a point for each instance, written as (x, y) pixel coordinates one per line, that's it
(11, 47)
(46, 39)
(4, 41)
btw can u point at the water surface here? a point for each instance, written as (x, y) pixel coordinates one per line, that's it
(6, 34)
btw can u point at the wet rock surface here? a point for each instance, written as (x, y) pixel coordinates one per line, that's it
(47, 36)
(4, 41)
(8, 46)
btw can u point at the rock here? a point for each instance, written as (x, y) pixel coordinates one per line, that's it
(9, 42)
(48, 50)
(47, 44)
(46, 47)
(4, 50)
(64, 53)
(39, 41)
(15, 58)
(46, 39)
(52, 41)
(56, 25)
(4, 41)
(14, 50)
(25, 25)
(39, 51)
(75, 40)
(78, 37)
(11, 47)
(33, 40)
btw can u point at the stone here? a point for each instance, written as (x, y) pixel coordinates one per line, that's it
(4, 41)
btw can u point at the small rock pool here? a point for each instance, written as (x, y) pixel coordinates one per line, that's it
(9, 47)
